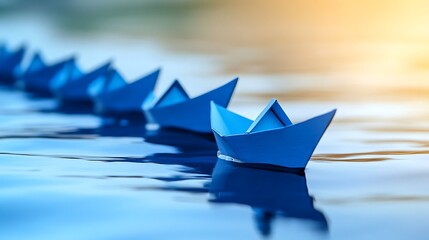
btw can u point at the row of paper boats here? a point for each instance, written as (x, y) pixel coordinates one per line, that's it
(270, 140)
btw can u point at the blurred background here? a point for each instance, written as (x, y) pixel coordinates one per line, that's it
(293, 50)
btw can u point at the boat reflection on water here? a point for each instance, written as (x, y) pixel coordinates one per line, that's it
(67, 108)
(271, 194)
(183, 140)
(134, 126)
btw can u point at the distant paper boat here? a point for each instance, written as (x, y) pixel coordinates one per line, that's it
(114, 96)
(270, 194)
(37, 63)
(43, 79)
(76, 90)
(175, 109)
(10, 64)
(272, 139)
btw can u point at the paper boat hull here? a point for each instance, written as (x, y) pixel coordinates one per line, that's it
(127, 99)
(194, 114)
(289, 147)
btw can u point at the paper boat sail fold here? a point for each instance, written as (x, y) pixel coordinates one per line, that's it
(271, 117)
(175, 109)
(10, 64)
(76, 90)
(283, 144)
(36, 64)
(44, 80)
(175, 94)
(112, 81)
(120, 98)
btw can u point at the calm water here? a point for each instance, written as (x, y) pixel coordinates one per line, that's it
(76, 176)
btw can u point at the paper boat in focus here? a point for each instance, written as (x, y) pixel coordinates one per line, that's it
(115, 96)
(43, 79)
(272, 139)
(175, 109)
(76, 90)
(10, 64)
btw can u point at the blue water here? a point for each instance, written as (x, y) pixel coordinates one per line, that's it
(75, 176)
(66, 175)
(71, 175)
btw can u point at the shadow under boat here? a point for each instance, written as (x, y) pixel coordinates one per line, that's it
(186, 141)
(80, 107)
(68, 109)
(135, 126)
(270, 194)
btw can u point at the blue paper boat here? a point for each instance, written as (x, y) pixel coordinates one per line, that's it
(76, 90)
(10, 64)
(270, 194)
(116, 97)
(272, 139)
(43, 80)
(3, 52)
(37, 63)
(175, 109)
